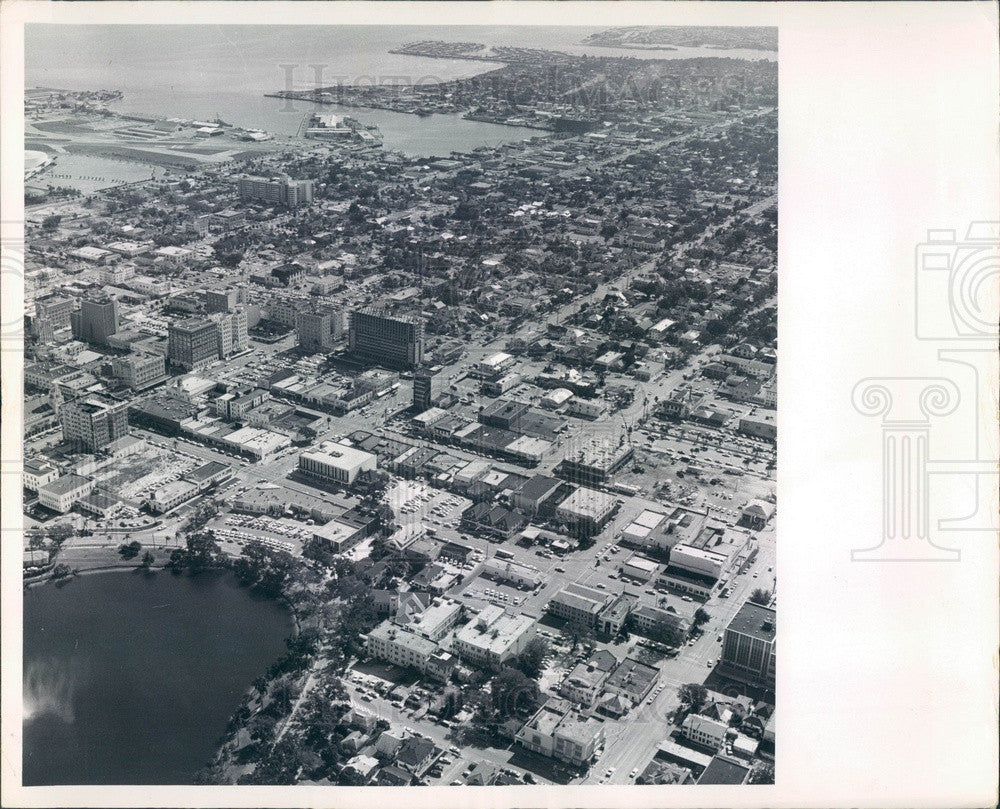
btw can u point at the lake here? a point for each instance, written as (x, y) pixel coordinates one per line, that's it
(132, 679)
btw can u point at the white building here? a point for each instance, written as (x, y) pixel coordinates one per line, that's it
(705, 731)
(337, 462)
(493, 637)
(396, 645)
(60, 494)
(37, 474)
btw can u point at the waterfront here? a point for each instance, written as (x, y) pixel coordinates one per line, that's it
(131, 679)
(251, 61)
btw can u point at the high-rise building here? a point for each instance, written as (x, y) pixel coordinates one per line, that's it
(95, 320)
(319, 329)
(424, 390)
(749, 648)
(93, 421)
(193, 343)
(397, 342)
(55, 311)
(276, 190)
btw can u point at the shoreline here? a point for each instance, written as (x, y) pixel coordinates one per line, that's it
(48, 578)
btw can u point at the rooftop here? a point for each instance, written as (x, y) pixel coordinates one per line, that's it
(756, 621)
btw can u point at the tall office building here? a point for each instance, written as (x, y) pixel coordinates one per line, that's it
(276, 190)
(231, 332)
(96, 320)
(54, 311)
(749, 647)
(193, 343)
(397, 342)
(94, 421)
(223, 300)
(424, 390)
(319, 329)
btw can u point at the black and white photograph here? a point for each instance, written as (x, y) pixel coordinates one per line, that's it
(417, 426)
(398, 407)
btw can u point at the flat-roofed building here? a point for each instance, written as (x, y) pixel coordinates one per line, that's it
(749, 647)
(38, 473)
(507, 570)
(337, 462)
(394, 644)
(171, 495)
(62, 493)
(586, 511)
(435, 621)
(394, 341)
(493, 637)
(96, 320)
(93, 422)
(319, 329)
(192, 343)
(578, 604)
(640, 568)
(595, 459)
(558, 731)
(529, 497)
(139, 371)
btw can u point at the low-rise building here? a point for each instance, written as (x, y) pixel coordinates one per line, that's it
(586, 511)
(38, 473)
(394, 644)
(707, 732)
(578, 604)
(557, 731)
(62, 493)
(337, 462)
(493, 637)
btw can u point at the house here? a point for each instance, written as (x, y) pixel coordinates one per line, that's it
(393, 776)
(388, 743)
(756, 514)
(416, 754)
(705, 731)
(364, 766)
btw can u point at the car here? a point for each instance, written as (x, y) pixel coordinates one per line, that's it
(559, 569)
(634, 773)
(601, 585)
(610, 772)
(709, 663)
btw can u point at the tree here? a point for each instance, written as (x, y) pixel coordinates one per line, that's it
(532, 660)
(692, 696)
(60, 532)
(61, 571)
(701, 617)
(202, 551)
(762, 773)
(513, 693)
(761, 596)
(51, 222)
(130, 550)
(147, 560)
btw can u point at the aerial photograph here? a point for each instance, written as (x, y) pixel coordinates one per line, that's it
(400, 405)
